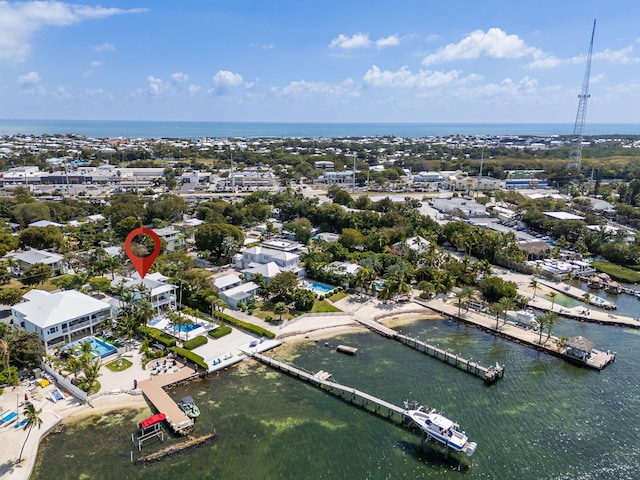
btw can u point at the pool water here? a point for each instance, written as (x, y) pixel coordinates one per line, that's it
(564, 300)
(319, 288)
(183, 328)
(98, 347)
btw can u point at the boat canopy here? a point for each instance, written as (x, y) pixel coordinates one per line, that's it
(187, 400)
(152, 420)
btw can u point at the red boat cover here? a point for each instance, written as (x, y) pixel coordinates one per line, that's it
(152, 420)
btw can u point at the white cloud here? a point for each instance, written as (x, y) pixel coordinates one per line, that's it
(302, 89)
(20, 21)
(403, 78)
(180, 77)
(29, 79)
(105, 47)
(623, 56)
(357, 40)
(156, 85)
(390, 41)
(193, 89)
(226, 79)
(506, 88)
(494, 43)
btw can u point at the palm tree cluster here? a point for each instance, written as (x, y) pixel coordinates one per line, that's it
(135, 310)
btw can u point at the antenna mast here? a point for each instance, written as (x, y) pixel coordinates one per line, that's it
(575, 154)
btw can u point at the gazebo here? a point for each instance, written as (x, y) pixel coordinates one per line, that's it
(580, 348)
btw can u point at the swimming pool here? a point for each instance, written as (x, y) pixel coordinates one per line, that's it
(98, 347)
(318, 288)
(184, 328)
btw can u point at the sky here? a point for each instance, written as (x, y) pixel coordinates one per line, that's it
(491, 61)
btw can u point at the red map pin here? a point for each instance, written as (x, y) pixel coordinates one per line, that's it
(142, 264)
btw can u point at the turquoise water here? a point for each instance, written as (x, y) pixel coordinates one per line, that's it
(194, 130)
(564, 300)
(546, 419)
(319, 288)
(98, 347)
(184, 328)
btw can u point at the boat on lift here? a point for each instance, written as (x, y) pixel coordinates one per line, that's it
(189, 407)
(437, 426)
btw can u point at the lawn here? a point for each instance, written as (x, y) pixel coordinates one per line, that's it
(119, 365)
(338, 296)
(324, 306)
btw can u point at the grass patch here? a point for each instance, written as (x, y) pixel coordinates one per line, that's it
(338, 296)
(195, 342)
(220, 331)
(119, 365)
(323, 306)
(617, 272)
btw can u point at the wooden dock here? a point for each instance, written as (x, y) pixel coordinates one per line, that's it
(349, 394)
(153, 390)
(598, 360)
(347, 349)
(488, 374)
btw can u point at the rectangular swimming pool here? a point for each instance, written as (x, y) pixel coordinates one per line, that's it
(98, 347)
(318, 288)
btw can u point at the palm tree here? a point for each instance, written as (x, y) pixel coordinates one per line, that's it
(542, 320)
(33, 416)
(497, 309)
(552, 296)
(280, 308)
(4, 349)
(507, 303)
(586, 298)
(534, 284)
(462, 295)
(552, 318)
(91, 372)
(73, 364)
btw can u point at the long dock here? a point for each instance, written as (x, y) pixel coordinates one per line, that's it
(349, 394)
(597, 360)
(488, 374)
(153, 390)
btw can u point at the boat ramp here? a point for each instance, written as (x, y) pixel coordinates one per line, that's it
(488, 374)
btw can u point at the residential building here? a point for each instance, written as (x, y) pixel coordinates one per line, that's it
(60, 317)
(32, 256)
(162, 295)
(173, 238)
(286, 261)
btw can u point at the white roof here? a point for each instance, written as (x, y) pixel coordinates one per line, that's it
(563, 215)
(34, 256)
(226, 280)
(45, 309)
(45, 223)
(267, 270)
(241, 291)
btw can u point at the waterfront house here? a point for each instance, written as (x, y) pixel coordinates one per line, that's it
(161, 295)
(59, 317)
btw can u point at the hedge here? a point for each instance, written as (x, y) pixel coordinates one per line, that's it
(195, 342)
(220, 331)
(249, 327)
(190, 356)
(159, 336)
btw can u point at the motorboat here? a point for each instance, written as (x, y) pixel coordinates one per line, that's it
(442, 429)
(189, 407)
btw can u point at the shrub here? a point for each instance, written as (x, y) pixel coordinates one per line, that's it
(190, 357)
(195, 342)
(220, 331)
(268, 318)
(249, 327)
(159, 336)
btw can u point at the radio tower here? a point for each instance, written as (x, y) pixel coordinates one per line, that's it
(575, 154)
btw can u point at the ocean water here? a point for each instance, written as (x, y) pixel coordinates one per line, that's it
(546, 419)
(192, 130)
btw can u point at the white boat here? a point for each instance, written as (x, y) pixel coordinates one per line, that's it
(439, 427)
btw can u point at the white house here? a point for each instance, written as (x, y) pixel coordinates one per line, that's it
(60, 317)
(173, 237)
(286, 261)
(31, 257)
(162, 295)
(239, 294)
(267, 270)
